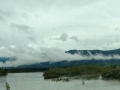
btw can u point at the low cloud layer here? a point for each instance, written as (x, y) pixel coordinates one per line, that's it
(32, 54)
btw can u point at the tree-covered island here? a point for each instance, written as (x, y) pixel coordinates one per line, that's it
(108, 71)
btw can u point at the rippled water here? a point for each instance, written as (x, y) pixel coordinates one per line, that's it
(35, 81)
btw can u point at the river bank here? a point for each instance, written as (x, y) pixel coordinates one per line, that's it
(35, 81)
(109, 71)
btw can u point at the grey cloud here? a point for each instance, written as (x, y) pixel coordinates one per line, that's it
(74, 38)
(1, 39)
(64, 37)
(21, 28)
(84, 18)
(5, 12)
(24, 15)
(32, 38)
(2, 19)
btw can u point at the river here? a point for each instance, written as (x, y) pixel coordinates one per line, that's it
(35, 81)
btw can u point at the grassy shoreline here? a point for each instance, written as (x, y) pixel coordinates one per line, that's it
(82, 70)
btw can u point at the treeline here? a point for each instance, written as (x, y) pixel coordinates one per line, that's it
(20, 70)
(77, 70)
(3, 71)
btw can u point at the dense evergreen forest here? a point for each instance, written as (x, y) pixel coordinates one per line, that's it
(3, 71)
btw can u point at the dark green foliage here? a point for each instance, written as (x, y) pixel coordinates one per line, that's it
(19, 70)
(75, 70)
(113, 66)
(108, 71)
(112, 73)
(3, 71)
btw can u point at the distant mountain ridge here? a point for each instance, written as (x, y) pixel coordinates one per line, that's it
(95, 52)
(65, 63)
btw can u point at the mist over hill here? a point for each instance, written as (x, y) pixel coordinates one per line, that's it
(5, 59)
(95, 52)
(86, 57)
(99, 57)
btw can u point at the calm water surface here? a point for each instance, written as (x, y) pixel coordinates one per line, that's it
(35, 81)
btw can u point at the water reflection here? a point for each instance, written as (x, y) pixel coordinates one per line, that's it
(35, 81)
(2, 82)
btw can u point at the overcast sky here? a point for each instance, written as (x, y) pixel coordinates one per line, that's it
(41, 26)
